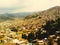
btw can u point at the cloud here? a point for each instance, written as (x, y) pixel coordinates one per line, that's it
(39, 5)
(10, 5)
(26, 5)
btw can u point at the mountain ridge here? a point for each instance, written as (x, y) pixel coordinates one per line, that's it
(11, 16)
(48, 14)
(51, 13)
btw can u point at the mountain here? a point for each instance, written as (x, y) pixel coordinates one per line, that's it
(48, 14)
(11, 16)
(40, 19)
(48, 19)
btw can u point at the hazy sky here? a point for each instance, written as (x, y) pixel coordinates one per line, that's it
(7, 6)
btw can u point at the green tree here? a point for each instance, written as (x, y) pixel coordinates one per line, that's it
(24, 36)
(31, 37)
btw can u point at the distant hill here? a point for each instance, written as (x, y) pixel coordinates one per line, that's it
(48, 14)
(11, 16)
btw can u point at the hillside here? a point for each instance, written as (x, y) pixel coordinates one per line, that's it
(48, 14)
(35, 20)
(11, 16)
(36, 26)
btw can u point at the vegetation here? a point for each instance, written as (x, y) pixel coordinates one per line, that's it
(39, 25)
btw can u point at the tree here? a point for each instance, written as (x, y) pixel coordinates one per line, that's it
(24, 36)
(50, 27)
(39, 35)
(58, 23)
(31, 37)
(58, 41)
(14, 29)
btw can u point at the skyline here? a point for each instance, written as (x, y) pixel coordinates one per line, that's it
(14, 6)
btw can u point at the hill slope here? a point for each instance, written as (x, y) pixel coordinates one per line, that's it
(11, 16)
(49, 14)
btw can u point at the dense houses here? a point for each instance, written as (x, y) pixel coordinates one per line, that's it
(12, 31)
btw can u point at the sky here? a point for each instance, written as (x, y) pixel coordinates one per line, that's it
(15, 6)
